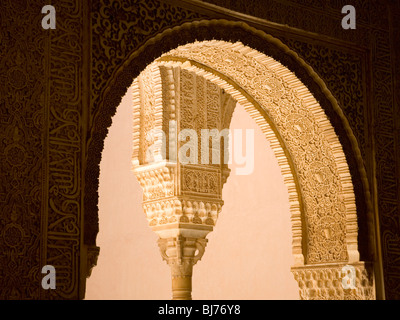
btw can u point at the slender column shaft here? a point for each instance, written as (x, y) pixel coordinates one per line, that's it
(182, 288)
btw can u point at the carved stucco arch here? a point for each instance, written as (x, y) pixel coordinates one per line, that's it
(292, 120)
(348, 200)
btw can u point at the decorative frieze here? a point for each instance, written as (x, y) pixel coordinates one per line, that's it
(182, 209)
(335, 282)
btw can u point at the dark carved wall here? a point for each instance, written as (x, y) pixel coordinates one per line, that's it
(59, 89)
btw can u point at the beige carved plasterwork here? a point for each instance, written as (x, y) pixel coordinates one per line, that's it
(157, 183)
(329, 282)
(148, 114)
(165, 93)
(326, 193)
(182, 253)
(182, 210)
(181, 200)
(197, 180)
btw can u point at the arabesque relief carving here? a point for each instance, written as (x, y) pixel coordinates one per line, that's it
(330, 282)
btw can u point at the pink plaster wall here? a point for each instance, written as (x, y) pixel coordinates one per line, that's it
(248, 255)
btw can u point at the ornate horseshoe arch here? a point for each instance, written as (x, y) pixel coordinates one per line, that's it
(313, 163)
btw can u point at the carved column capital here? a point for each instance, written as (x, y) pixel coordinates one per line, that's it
(182, 254)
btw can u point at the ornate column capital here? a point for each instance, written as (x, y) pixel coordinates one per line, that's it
(182, 253)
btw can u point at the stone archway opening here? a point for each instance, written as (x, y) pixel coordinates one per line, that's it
(239, 251)
(315, 171)
(250, 246)
(196, 86)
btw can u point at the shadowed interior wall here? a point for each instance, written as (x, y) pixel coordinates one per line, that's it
(248, 255)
